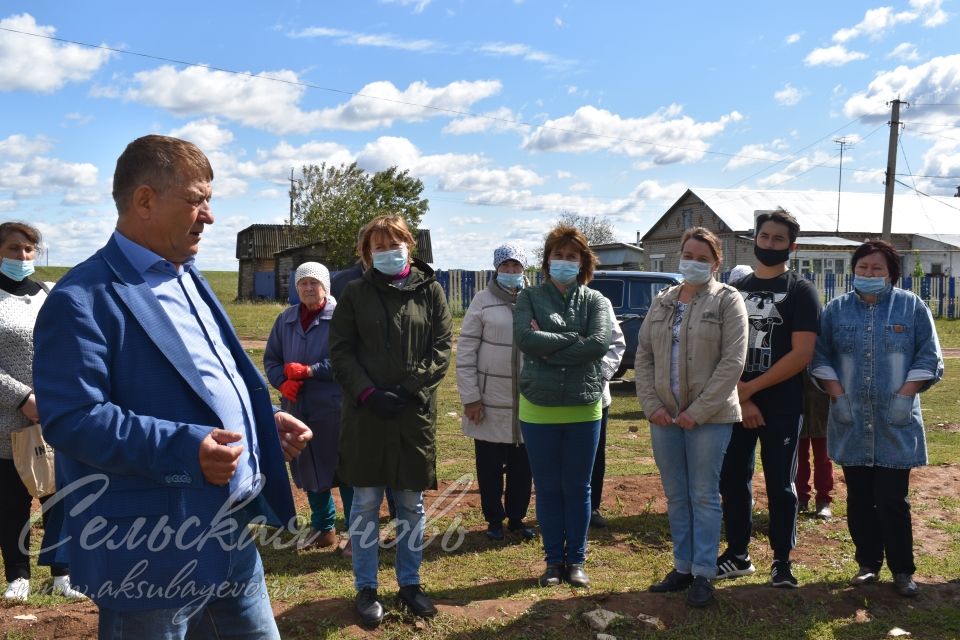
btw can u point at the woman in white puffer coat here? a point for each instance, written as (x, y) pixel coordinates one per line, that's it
(488, 366)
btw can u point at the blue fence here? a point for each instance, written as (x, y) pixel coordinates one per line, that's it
(939, 292)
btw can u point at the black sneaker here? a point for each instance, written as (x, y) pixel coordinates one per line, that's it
(781, 576)
(729, 565)
(700, 593)
(597, 520)
(494, 533)
(369, 607)
(413, 597)
(674, 581)
(522, 530)
(904, 585)
(865, 575)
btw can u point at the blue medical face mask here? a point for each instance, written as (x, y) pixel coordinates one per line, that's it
(16, 269)
(564, 271)
(696, 272)
(510, 280)
(870, 286)
(390, 262)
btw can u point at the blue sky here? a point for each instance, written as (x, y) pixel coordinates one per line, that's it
(510, 111)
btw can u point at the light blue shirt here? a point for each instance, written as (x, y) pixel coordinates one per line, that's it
(177, 292)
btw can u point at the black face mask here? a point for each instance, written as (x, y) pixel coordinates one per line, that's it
(771, 257)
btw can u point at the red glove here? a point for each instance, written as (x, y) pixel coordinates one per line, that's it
(290, 388)
(296, 371)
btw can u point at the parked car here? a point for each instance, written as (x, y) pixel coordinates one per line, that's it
(631, 292)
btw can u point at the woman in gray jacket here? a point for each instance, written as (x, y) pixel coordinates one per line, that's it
(488, 366)
(692, 347)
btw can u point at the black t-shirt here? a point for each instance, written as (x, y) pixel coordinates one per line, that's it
(776, 307)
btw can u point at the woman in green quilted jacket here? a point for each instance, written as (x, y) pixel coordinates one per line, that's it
(563, 329)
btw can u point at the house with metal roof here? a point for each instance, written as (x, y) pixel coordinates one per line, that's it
(922, 227)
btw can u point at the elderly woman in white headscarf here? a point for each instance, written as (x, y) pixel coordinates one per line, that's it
(297, 362)
(488, 364)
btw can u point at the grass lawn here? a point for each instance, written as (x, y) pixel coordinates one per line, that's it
(488, 590)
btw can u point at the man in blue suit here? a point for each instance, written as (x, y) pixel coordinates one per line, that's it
(167, 443)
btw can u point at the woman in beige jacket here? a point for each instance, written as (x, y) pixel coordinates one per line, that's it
(690, 356)
(488, 364)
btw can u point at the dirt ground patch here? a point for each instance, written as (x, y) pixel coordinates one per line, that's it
(623, 496)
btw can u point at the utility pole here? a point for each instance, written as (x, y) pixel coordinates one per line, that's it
(842, 141)
(291, 197)
(891, 167)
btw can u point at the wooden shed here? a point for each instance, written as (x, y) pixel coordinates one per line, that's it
(256, 247)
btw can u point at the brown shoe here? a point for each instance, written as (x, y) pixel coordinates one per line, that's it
(346, 548)
(327, 539)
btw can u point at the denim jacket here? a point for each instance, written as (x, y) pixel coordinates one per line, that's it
(872, 349)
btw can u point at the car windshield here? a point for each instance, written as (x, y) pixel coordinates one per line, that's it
(612, 289)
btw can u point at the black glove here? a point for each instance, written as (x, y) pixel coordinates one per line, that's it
(385, 403)
(405, 395)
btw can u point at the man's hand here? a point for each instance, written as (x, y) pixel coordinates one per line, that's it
(290, 388)
(661, 417)
(218, 460)
(752, 418)
(833, 388)
(297, 371)
(684, 421)
(294, 434)
(474, 411)
(29, 409)
(744, 391)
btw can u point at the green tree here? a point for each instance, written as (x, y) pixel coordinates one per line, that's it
(334, 202)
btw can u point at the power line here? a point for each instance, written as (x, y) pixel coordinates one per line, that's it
(934, 198)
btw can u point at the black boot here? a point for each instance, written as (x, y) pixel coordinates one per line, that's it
(413, 597)
(576, 576)
(369, 607)
(551, 576)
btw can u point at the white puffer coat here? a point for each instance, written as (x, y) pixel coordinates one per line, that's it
(488, 366)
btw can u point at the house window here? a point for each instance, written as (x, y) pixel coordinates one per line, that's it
(657, 264)
(936, 269)
(687, 218)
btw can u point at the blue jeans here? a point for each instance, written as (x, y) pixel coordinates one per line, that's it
(689, 461)
(365, 535)
(561, 458)
(245, 613)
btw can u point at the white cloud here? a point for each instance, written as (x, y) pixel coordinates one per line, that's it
(274, 164)
(665, 136)
(526, 53)
(936, 81)
(461, 221)
(383, 40)
(867, 176)
(941, 159)
(387, 151)
(41, 174)
(789, 95)
(206, 134)
(933, 14)
(418, 5)
(797, 167)
(905, 51)
(76, 237)
(794, 38)
(8, 205)
(21, 146)
(499, 120)
(258, 101)
(558, 22)
(79, 119)
(752, 153)
(563, 175)
(580, 186)
(31, 63)
(483, 179)
(835, 56)
(875, 23)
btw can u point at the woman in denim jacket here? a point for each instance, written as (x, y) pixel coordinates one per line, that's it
(692, 348)
(877, 350)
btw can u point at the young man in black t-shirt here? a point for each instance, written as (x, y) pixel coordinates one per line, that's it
(783, 310)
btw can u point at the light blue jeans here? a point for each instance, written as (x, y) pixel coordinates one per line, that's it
(561, 458)
(365, 535)
(245, 614)
(689, 461)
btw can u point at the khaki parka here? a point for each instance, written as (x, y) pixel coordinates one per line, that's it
(384, 335)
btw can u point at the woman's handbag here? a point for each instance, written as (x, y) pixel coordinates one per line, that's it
(33, 458)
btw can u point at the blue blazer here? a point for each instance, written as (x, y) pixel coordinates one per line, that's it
(120, 396)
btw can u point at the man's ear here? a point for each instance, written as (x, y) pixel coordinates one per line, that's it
(793, 247)
(142, 201)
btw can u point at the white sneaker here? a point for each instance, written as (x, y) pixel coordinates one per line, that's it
(62, 587)
(18, 590)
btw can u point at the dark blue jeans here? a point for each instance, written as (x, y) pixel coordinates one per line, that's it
(561, 458)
